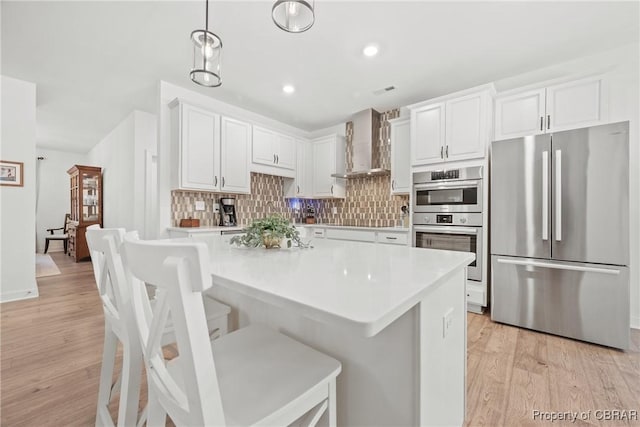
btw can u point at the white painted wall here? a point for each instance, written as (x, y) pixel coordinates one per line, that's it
(621, 64)
(53, 197)
(18, 204)
(167, 93)
(120, 154)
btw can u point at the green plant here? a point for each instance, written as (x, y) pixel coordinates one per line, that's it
(269, 232)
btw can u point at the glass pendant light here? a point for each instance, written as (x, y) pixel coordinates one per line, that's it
(293, 16)
(207, 56)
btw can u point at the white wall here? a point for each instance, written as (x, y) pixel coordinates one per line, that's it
(120, 154)
(622, 67)
(17, 204)
(167, 93)
(53, 197)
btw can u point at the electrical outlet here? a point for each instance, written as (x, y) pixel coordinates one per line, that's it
(447, 321)
(334, 210)
(199, 205)
(216, 208)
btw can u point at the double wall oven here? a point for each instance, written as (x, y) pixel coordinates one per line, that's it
(447, 213)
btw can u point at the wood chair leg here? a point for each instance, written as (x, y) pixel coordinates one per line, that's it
(130, 388)
(103, 418)
(46, 245)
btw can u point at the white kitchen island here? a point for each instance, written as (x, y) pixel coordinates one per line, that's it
(395, 317)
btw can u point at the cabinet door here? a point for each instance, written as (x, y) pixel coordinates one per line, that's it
(427, 134)
(520, 115)
(286, 151)
(298, 186)
(263, 147)
(400, 152)
(466, 129)
(234, 167)
(576, 104)
(200, 147)
(324, 158)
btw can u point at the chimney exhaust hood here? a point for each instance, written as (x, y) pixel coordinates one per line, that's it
(363, 157)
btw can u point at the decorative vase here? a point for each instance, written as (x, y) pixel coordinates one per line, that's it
(271, 242)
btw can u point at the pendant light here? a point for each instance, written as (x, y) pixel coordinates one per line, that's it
(293, 16)
(207, 55)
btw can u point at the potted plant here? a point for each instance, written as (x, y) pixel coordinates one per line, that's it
(270, 232)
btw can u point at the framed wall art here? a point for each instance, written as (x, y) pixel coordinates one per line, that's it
(11, 173)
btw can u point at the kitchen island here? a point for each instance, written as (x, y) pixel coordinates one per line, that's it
(395, 316)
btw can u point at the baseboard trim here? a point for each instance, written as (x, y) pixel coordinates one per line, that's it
(635, 322)
(18, 295)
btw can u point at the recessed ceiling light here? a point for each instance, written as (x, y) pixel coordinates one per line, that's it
(288, 89)
(370, 50)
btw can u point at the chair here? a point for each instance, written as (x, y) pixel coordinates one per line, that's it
(254, 376)
(120, 326)
(64, 236)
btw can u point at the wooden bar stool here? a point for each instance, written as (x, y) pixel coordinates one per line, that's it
(254, 376)
(120, 327)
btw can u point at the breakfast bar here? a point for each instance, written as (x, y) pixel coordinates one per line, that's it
(393, 315)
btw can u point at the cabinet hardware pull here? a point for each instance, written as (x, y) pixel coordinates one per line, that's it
(274, 158)
(549, 121)
(447, 152)
(393, 184)
(215, 181)
(392, 238)
(541, 122)
(277, 159)
(223, 181)
(441, 152)
(332, 189)
(298, 187)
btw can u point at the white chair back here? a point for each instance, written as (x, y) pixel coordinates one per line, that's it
(180, 271)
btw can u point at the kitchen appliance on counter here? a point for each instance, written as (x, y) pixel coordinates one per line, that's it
(228, 216)
(310, 215)
(560, 233)
(447, 214)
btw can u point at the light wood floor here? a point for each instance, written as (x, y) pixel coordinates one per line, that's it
(50, 352)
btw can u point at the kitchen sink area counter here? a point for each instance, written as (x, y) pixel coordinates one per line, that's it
(177, 232)
(393, 315)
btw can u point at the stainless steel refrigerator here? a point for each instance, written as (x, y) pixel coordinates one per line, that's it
(560, 233)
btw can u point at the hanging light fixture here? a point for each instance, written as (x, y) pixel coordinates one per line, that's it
(207, 55)
(293, 16)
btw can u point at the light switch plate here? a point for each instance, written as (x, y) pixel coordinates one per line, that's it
(216, 208)
(334, 210)
(199, 205)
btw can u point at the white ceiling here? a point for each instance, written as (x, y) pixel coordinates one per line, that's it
(93, 62)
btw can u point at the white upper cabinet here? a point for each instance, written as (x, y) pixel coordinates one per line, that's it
(570, 105)
(298, 187)
(196, 145)
(450, 128)
(521, 114)
(466, 127)
(400, 155)
(273, 149)
(576, 104)
(428, 126)
(235, 149)
(328, 159)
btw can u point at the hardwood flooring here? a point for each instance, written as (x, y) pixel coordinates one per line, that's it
(51, 347)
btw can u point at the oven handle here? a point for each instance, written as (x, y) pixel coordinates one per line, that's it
(448, 185)
(447, 230)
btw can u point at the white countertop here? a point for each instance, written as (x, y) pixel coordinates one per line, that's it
(355, 227)
(359, 286)
(204, 229)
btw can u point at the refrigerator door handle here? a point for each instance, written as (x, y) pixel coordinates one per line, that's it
(545, 195)
(559, 266)
(558, 179)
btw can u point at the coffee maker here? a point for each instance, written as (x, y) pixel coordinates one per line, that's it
(228, 212)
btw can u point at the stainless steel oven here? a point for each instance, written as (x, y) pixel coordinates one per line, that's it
(454, 232)
(455, 190)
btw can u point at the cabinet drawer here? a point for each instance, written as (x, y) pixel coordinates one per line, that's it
(352, 235)
(393, 238)
(318, 233)
(475, 296)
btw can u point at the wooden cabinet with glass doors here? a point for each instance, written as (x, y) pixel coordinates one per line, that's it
(86, 206)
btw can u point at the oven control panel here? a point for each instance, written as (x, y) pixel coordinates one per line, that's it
(466, 219)
(440, 175)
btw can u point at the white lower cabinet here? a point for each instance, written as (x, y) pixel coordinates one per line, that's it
(393, 237)
(359, 234)
(351, 234)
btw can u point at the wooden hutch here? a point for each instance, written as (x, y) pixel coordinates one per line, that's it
(86, 207)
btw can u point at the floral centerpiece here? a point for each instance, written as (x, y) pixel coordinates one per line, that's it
(270, 232)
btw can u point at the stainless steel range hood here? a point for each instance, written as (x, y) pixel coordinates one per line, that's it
(363, 157)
